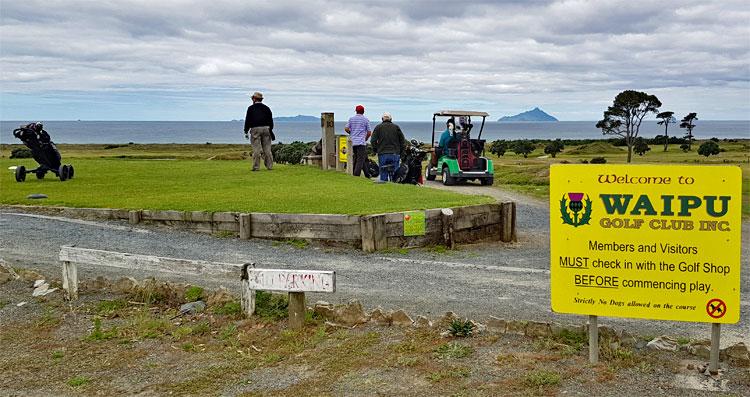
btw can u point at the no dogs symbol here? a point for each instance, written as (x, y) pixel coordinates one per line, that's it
(716, 308)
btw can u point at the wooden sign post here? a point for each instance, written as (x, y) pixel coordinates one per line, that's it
(329, 141)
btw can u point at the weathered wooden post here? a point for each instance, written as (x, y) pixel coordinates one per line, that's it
(593, 340)
(247, 295)
(70, 279)
(246, 227)
(446, 216)
(329, 141)
(350, 154)
(374, 236)
(296, 310)
(134, 216)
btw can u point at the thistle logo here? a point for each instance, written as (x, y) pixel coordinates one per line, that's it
(575, 205)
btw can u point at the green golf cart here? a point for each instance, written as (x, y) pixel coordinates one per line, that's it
(463, 158)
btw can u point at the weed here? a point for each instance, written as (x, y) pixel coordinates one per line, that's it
(193, 293)
(453, 350)
(78, 381)
(460, 328)
(145, 326)
(229, 309)
(181, 332)
(48, 319)
(201, 328)
(224, 234)
(188, 347)
(228, 332)
(451, 373)
(57, 354)
(683, 341)
(506, 359)
(3, 303)
(297, 243)
(408, 361)
(271, 306)
(439, 249)
(98, 334)
(108, 308)
(271, 358)
(541, 378)
(576, 339)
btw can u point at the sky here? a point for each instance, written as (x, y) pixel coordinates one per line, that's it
(200, 60)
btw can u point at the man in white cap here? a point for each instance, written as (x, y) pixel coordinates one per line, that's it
(388, 142)
(259, 124)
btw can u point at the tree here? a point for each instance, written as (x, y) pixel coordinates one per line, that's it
(666, 119)
(554, 147)
(499, 147)
(687, 123)
(640, 147)
(708, 148)
(626, 114)
(523, 147)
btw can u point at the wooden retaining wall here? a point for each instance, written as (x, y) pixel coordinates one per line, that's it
(485, 222)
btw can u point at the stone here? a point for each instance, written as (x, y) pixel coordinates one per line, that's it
(496, 325)
(422, 322)
(5, 277)
(664, 343)
(400, 318)
(125, 285)
(350, 314)
(97, 284)
(516, 327)
(479, 328)
(447, 319)
(218, 298)
(738, 354)
(538, 330)
(42, 289)
(193, 307)
(379, 317)
(701, 351)
(323, 309)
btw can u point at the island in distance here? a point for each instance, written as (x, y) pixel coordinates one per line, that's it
(535, 115)
(298, 117)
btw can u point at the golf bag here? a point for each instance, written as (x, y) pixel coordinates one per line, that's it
(44, 151)
(410, 170)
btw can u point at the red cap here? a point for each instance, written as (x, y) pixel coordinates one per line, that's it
(360, 109)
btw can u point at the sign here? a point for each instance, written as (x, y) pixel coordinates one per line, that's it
(414, 223)
(342, 149)
(649, 241)
(291, 280)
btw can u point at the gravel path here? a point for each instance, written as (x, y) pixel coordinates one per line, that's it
(505, 280)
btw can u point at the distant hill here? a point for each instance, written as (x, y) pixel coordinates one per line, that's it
(535, 114)
(297, 118)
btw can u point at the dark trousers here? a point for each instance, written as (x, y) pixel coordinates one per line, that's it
(360, 157)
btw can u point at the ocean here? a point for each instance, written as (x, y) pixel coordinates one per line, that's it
(231, 131)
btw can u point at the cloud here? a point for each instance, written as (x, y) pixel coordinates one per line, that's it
(497, 53)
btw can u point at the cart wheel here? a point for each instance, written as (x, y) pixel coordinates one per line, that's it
(488, 181)
(40, 174)
(427, 175)
(62, 173)
(448, 180)
(20, 173)
(71, 172)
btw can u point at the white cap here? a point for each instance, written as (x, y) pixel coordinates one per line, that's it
(387, 117)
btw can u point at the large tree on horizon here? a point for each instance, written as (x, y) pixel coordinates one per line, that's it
(687, 123)
(666, 119)
(626, 114)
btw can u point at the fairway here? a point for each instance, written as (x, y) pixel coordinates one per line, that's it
(203, 185)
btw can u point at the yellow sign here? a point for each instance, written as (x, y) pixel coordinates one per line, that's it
(656, 242)
(342, 149)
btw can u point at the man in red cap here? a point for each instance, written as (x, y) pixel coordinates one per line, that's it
(358, 128)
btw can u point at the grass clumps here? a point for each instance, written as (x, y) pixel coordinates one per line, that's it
(193, 294)
(271, 307)
(461, 328)
(109, 308)
(99, 334)
(541, 379)
(453, 350)
(450, 373)
(78, 381)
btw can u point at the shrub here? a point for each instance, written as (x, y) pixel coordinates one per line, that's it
(640, 146)
(21, 153)
(194, 293)
(523, 147)
(598, 160)
(708, 148)
(460, 328)
(685, 147)
(499, 147)
(271, 306)
(290, 153)
(554, 147)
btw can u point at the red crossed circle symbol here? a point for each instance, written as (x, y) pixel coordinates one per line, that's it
(716, 308)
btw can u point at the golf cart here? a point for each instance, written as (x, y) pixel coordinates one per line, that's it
(462, 159)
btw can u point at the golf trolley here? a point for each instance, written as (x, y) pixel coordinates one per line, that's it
(44, 152)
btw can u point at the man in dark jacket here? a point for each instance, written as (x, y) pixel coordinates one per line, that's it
(259, 123)
(388, 142)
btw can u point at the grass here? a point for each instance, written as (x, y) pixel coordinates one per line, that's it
(541, 378)
(453, 350)
(105, 179)
(78, 381)
(531, 175)
(193, 293)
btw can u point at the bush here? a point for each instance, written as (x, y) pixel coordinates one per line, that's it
(499, 147)
(685, 147)
(523, 147)
(640, 147)
(598, 160)
(459, 328)
(708, 148)
(21, 153)
(290, 153)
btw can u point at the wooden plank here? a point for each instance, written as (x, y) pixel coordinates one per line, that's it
(246, 230)
(134, 217)
(291, 280)
(306, 231)
(476, 209)
(199, 216)
(225, 217)
(247, 295)
(85, 256)
(160, 215)
(476, 220)
(296, 310)
(70, 279)
(374, 233)
(507, 224)
(313, 219)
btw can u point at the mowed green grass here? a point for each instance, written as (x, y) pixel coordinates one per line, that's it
(531, 175)
(203, 185)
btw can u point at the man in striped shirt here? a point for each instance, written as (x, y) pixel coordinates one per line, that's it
(358, 128)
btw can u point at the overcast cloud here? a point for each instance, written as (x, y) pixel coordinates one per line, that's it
(197, 60)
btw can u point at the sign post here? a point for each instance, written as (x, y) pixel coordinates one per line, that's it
(653, 242)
